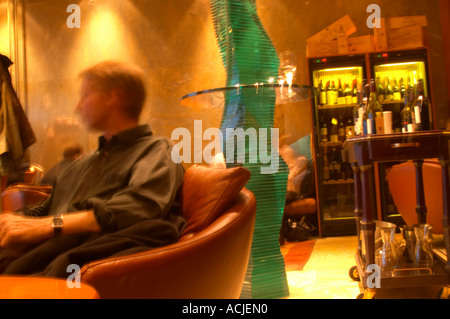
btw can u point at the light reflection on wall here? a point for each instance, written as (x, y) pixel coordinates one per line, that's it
(102, 36)
(4, 32)
(106, 35)
(173, 41)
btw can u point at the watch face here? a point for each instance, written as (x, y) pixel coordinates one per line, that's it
(57, 222)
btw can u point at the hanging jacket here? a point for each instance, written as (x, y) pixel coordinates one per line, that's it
(14, 125)
(16, 133)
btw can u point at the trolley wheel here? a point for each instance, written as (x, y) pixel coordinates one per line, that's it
(353, 273)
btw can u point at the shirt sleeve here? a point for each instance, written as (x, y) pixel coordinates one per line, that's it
(151, 193)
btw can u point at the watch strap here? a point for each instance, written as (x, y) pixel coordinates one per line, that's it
(57, 224)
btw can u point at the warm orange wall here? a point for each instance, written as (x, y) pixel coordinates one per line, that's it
(174, 41)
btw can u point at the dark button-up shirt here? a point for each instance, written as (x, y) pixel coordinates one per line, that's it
(130, 178)
(132, 185)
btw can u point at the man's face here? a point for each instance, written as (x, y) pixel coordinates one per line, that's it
(94, 105)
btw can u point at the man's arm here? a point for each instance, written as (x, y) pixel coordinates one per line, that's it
(16, 229)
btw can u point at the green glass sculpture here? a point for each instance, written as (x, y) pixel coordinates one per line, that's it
(250, 58)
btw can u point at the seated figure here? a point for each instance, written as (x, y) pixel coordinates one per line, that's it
(121, 199)
(300, 197)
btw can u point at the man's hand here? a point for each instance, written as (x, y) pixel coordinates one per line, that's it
(18, 230)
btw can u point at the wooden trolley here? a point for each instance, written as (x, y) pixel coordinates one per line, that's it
(362, 153)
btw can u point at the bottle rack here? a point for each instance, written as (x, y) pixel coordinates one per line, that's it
(335, 177)
(411, 65)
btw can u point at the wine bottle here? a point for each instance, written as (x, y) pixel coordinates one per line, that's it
(369, 114)
(355, 92)
(340, 89)
(348, 94)
(349, 128)
(340, 94)
(356, 117)
(402, 89)
(358, 111)
(377, 109)
(380, 90)
(332, 94)
(415, 126)
(336, 164)
(396, 91)
(334, 137)
(416, 108)
(407, 114)
(323, 131)
(329, 93)
(341, 129)
(422, 108)
(322, 94)
(388, 96)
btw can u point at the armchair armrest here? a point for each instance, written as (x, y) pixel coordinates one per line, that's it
(210, 264)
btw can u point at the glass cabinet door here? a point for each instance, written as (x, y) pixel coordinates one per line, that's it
(394, 80)
(336, 99)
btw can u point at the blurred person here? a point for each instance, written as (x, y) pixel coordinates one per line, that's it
(121, 199)
(71, 153)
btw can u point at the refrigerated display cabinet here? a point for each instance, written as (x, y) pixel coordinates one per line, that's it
(337, 80)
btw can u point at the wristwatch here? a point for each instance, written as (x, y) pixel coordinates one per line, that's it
(57, 224)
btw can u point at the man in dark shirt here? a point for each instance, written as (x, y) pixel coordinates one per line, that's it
(121, 199)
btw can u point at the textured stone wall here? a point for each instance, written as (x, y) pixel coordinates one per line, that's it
(174, 41)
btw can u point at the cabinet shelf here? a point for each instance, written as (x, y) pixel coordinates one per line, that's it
(331, 144)
(391, 102)
(335, 106)
(339, 181)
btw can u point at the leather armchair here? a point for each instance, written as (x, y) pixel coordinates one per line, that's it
(209, 261)
(20, 195)
(402, 185)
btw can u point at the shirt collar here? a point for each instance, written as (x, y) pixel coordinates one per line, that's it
(125, 137)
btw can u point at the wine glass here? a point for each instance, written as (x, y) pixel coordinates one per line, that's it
(288, 67)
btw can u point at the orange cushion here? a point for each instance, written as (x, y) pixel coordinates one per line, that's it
(208, 192)
(402, 185)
